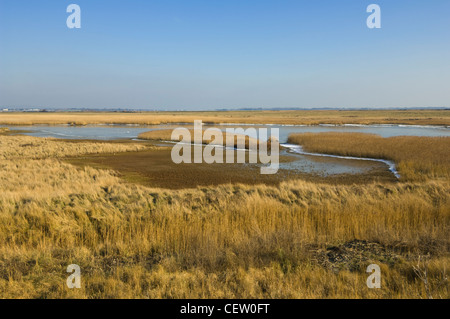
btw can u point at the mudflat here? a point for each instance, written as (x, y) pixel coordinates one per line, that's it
(155, 168)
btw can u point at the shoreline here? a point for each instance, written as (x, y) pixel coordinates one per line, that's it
(298, 149)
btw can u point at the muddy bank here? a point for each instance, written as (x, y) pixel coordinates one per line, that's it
(155, 168)
(299, 150)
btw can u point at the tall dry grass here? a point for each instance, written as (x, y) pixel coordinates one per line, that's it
(417, 158)
(231, 241)
(21, 147)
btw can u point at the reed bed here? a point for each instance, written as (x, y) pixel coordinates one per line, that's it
(21, 147)
(230, 241)
(417, 158)
(238, 139)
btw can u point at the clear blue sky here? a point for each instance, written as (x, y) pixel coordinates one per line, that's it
(209, 54)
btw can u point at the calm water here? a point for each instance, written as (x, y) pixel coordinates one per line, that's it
(304, 163)
(110, 132)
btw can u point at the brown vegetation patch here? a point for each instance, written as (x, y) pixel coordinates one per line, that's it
(355, 255)
(155, 168)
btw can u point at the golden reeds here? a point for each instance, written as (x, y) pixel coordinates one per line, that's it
(230, 241)
(21, 147)
(417, 158)
(238, 139)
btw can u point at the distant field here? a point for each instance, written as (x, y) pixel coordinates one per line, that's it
(410, 117)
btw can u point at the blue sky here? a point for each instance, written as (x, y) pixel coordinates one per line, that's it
(209, 54)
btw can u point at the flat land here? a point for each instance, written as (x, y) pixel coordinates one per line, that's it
(122, 212)
(409, 117)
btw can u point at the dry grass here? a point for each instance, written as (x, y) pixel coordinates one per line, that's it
(230, 241)
(21, 147)
(417, 158)
(311, 117)
(166, 135)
